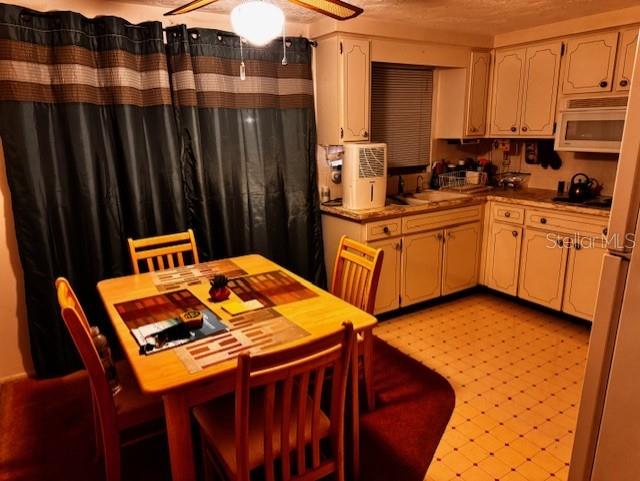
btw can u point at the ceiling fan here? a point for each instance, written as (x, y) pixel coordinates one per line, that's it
(331, 8)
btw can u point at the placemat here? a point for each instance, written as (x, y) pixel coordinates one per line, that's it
(172, 279)
(254, 332)
(270, 288)
(148, 310)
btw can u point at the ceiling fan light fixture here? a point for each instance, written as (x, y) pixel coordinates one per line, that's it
(258, 22)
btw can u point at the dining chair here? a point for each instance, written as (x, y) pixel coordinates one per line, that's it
(355, 279)
(113, 415)
(275, 418)
(163, 251)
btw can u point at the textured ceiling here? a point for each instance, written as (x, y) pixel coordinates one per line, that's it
(472, 16)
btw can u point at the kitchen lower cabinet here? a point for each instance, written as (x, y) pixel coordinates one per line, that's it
(461, 257)
(421, 267)
(583, 277)
(542, 270)
(503, 257)
(388, 295)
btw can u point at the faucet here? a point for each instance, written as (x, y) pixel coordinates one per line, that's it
(419, 184)
(400, 185)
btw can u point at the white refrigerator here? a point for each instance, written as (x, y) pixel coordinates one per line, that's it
(607, 439)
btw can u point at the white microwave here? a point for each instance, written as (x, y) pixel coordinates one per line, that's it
(591, 130)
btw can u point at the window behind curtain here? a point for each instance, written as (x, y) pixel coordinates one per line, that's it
(401, 99)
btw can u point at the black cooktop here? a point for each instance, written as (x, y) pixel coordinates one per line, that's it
(600, 201)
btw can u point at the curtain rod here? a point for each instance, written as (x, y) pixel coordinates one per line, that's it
(313, 43)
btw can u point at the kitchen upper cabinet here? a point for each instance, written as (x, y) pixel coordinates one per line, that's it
(589, 63)
(544, 261)
(503, 257)
(461, 99)
(388, 295)
(541, 76)
(583, 278)
(476, 118)
(506, 95)
(355, 88)
(626, 56)
(525, 90)
(461, 257)
(422, 267)
(343, 83)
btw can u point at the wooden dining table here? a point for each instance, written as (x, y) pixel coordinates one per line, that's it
(166, 374)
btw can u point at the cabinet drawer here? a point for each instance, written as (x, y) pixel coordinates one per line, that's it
(442, 218)
(383, 229)
(585, 225)
(508, 213)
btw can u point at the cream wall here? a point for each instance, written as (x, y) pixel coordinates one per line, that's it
(14, 338)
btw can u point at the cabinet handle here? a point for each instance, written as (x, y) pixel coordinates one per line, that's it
(624, 83)
(543, 220)
(560, 242)
(450, 235)
(513, 129)
(365, 133)
(385, 230)
(524, 129)
(440, 236)
(604, 83)
(605, 231)
(514, 233)
(507, 214)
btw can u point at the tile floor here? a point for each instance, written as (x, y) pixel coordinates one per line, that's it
(517, 373)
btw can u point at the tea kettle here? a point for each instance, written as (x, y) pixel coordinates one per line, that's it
(582, 187)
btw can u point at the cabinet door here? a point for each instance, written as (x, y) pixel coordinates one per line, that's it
(388, 295)
(544, 261)
(542, 74)
(503, 257)
(589, 63)
(461, 257)
(355, 88)
(583, 277)
(421, 267)
(626, 56)
(477, 97)
(506, 96)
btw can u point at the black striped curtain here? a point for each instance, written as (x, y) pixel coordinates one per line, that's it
(249, 146)
(92, 157)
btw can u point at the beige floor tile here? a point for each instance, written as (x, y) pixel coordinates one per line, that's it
(517, 373)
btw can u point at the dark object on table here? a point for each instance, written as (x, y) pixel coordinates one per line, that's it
(192, 319)
(173, 333)
(582, 187)
(561, 187)
(219, 290)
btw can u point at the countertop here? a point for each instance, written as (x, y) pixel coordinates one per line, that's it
(528, 197)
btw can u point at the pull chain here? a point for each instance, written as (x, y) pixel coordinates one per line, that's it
(284, 48)
(243, 73)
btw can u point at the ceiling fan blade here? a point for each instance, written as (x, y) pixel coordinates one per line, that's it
(332, 8)
(189, 7)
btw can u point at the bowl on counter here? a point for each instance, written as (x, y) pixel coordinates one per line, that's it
(512, 180)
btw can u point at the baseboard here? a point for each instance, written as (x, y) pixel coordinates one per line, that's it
(14, 377)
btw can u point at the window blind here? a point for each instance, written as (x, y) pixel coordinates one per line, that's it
(401, 100)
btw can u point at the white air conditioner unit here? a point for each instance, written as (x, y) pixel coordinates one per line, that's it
(364, 176)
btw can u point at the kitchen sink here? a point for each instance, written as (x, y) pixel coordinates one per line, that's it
(427, 197)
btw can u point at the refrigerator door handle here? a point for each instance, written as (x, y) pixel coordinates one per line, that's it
(626, 194)
(601, 345)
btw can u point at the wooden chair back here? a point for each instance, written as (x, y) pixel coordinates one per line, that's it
(163, 251)
(78, 326)
(301, 369)
(356, 273)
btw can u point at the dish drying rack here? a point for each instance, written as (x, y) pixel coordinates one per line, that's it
(464, 181)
